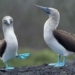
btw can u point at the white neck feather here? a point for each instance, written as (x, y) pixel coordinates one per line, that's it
(9, 33)
(49, 26)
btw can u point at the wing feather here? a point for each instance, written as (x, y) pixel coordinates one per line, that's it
(2, 47)
(66, 39)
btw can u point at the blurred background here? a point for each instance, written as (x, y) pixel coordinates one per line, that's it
(28, 25)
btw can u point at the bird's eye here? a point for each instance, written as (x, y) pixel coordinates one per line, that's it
(48, 11)
(5, 22)
(10, 21)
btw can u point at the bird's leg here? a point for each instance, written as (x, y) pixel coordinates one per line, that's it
(8, 68)
(61, 63)
(22, 56)
(64, 59)
(52, 64)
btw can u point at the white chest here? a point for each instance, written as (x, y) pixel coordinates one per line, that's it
(12, 46)
(11, 40)
(51, 41)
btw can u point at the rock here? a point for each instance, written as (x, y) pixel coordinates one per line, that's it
(68, 69)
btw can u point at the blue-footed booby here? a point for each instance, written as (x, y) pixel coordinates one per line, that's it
(9, 45)
(61, 42)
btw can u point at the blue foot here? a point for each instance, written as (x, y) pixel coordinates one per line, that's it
(59, 64)
(23, 56)
(51, 64)
(9, 68)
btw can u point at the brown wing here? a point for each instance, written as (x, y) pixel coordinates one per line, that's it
(2, 47)
(66, 39)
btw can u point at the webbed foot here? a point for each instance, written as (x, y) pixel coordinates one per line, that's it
(51, 64)
(23, 56)
(59, 64)
(9, 68)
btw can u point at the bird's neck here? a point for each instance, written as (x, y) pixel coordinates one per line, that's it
(51, 24)
(9, 33)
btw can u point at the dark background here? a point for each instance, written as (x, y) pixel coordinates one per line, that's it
(29, 21)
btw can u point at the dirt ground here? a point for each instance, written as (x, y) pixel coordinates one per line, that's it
(68, 69)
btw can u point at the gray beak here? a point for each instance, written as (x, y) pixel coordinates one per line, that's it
(45, 9)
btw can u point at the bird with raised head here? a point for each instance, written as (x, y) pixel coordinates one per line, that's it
(61, 42)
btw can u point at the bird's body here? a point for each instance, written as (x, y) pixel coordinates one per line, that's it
(10, 41)
(9, 45)
(61, 42)
(53, 37)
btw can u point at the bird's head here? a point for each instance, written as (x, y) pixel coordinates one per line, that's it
(7, 21)
(52, 12)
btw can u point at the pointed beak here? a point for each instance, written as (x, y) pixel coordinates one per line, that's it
(45, 9)
(8, 22)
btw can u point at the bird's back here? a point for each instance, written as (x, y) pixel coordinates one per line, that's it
(66, 39)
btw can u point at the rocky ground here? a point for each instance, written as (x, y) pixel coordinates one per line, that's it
(68, 69)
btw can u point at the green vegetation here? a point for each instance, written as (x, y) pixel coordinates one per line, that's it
(35, 58)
